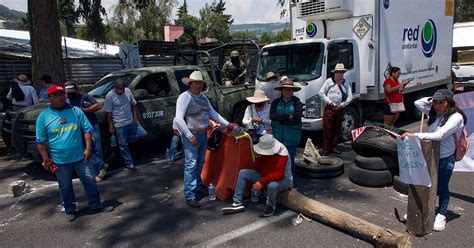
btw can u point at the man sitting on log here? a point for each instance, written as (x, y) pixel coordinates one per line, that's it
(273, 174)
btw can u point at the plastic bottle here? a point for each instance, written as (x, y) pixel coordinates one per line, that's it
(212, 192)
(113, 141)
(298, 220)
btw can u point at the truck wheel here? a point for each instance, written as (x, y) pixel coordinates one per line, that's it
(370, 178)
(350, 121)
(377, 163)
(238, 114)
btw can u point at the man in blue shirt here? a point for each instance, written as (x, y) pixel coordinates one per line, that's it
(62, 131)
(46, 81)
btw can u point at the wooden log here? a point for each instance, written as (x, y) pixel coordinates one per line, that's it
(422, 200)
(381, 237)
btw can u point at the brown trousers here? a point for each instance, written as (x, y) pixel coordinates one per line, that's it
(332, 123)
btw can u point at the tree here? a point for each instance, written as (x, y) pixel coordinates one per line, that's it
(94, 29)
(44, 31)
(243, 35)
(283, 35)
(266, 38)
(68, 16)
(190, 24)
(464, 11)
(214, 23)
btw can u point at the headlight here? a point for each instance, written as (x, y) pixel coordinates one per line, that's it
(313, 107)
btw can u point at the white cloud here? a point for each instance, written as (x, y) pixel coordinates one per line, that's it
(243, 11)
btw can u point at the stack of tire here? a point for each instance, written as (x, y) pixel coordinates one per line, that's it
(324, 168)
(376, 161)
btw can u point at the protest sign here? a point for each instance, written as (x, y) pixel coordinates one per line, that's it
(413, 168)
(465, 101)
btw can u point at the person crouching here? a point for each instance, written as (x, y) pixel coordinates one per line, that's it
(273, 174)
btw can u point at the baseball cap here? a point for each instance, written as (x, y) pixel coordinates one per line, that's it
(55, 88)
(443, 94)
(70, 85)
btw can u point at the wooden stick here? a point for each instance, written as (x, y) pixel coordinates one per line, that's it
(381, 237)
(422, 120)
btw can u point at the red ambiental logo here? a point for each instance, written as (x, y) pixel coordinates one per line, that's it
(63, 121)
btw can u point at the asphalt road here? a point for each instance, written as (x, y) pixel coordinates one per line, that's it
(151, 211)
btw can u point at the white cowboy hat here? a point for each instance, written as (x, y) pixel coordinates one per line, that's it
(196, 76)
(22, 79)
(267, 145)
(339, 67)
(258, 96)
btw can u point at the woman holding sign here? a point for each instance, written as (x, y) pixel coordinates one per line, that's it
(393, 97)
(445, 124)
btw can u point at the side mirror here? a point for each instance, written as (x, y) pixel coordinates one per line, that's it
(140, 94)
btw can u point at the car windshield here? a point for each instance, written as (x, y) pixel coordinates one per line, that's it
(302, 62)
(101, 88)
(463, 55)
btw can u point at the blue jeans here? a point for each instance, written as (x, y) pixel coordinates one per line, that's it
(129, 134)
(97, 161)
(173, 148)
(446, 166)
(194, 157)
(253, 176)
(66, 190)
(292, 153)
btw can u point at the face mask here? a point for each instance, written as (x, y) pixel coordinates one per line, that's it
(235, 61)
(73, 95)
(338, 77)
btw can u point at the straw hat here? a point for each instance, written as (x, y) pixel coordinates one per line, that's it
(196, 76)
(269, 75)
(287, 83)
(268, 145)
(22, 79)
(339, 67)
(258, 96)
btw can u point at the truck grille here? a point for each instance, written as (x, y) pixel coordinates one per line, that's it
(311, 8)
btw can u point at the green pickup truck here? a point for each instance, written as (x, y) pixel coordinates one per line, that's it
(156, 90)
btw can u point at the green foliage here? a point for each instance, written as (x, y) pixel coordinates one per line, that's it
(465, 11)
(10, 14)
(243, 35)
(266, 38)
(68, 17)
(190, 24)
(214, 23)
(283, 35)
(94, 29)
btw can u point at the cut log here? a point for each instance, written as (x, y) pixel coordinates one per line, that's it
(381, 237)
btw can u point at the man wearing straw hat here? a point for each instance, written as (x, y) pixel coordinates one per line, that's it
(269, 87)
(22, 94)
(336, 94)
(193, 112)
(273, 174)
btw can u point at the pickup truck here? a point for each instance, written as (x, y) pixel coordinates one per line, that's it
(156, 90)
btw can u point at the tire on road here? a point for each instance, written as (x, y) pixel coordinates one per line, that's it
(377, 163)
(374, 142)
(319, 175)
(399, 186)
(329, 165)
(369, 178)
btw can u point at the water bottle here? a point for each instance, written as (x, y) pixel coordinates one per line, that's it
(212, 192)
(298, 220)
(113, 141)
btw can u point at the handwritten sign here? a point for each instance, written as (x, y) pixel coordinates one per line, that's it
(413, 169)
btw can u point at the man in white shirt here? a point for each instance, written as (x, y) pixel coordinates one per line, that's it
(336, 94)
(22, 94)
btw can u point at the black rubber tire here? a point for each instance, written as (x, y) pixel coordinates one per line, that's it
(375, 142)
(351, 120)
(318, 175)
(369, 178)
(332, 165)
(400, 187)
(377, 163)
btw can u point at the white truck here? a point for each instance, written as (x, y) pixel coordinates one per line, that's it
(368, 36)
(463, 56)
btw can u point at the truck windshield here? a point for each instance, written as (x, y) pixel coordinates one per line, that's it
(463, 55)
(302, 62)
(101, 88)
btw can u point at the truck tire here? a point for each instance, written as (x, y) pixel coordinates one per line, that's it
(238, 114)
(330, 165)
(399, 186)
(370, 178)
(350, 121)
(318, 175)
(377, 163)
(374, 142)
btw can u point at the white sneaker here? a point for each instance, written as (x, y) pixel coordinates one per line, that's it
(439, 223)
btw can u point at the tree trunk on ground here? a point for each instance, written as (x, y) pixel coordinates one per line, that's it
(380, 236)
(45, 40)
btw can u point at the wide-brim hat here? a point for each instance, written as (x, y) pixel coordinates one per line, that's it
(287, 83)
(22, 79)
(339, 67)
(196, 76)
(270, 74)
(267, 145)
(258, 97)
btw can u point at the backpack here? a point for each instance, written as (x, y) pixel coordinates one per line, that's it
(462, 145)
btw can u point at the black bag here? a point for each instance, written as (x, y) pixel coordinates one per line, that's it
(214, 140)
(253, 133)
(17, 93)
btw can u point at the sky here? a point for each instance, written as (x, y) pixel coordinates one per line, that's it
(243, 11)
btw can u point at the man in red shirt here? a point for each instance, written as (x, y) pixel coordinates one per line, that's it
(274, 175)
